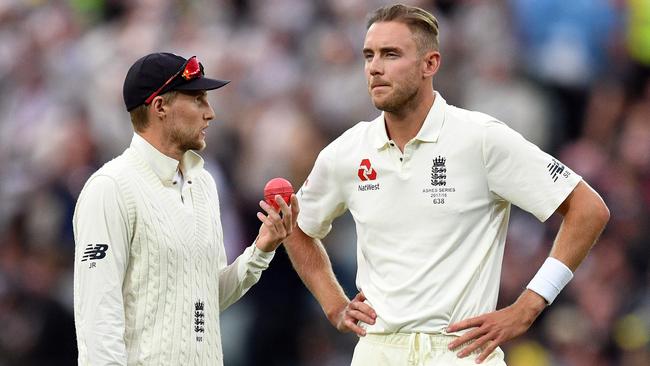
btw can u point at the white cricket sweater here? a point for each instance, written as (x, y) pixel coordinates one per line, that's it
(150, 276)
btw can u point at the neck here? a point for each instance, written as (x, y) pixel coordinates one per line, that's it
(162, 143)
(403, 125)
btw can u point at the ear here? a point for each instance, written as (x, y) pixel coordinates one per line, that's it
(430, 64)
(158, 108)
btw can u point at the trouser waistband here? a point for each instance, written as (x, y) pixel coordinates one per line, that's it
(417, 342)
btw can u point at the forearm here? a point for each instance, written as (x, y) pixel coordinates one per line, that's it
(585, 217)
(238, 277)
(100, 335)
(312, 264)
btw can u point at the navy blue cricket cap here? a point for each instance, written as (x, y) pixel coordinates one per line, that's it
(158, 73)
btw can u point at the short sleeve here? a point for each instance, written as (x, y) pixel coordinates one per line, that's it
(520, 173)
(320, 197)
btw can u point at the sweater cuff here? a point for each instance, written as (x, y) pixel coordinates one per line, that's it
(260, 257)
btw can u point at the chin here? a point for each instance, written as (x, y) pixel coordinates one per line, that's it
(381, 104)
(200, 145)
(382, 100)
(195, 145)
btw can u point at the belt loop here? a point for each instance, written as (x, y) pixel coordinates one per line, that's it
(426, 347)
(412, 360)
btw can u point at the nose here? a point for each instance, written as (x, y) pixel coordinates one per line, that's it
(374, 66)
(209, 114)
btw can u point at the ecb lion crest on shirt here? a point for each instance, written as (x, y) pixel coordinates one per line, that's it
(439, 189)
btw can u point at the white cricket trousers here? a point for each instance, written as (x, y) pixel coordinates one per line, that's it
(415, 349)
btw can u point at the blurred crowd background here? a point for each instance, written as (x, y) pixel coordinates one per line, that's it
(571, 76)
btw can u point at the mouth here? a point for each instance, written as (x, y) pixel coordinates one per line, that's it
(375, 86)
(377, 82)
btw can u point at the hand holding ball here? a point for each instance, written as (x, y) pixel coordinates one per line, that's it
(277, 186)
(277, 224)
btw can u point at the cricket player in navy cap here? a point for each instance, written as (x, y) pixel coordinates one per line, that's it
(150, 273)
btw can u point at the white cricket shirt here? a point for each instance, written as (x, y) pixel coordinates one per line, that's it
(431, 222)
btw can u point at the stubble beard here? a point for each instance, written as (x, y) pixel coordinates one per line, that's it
(186, 140)
(401, 100)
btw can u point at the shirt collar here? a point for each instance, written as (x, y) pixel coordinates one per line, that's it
(429, 132)
(165, 167)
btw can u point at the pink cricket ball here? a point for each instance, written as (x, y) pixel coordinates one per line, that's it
(276, 186)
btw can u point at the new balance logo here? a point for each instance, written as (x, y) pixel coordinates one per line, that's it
(555, 168)
(94, 252)
(366, 172)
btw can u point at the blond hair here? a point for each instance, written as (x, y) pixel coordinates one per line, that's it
(139, 117)
(422, 24)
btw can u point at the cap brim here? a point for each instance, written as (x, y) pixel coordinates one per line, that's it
(202, 84)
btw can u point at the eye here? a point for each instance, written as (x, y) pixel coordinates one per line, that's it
(367, 56)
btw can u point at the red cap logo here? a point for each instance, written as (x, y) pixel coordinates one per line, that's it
(366, 172)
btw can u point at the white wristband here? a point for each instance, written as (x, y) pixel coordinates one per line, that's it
(550, 279)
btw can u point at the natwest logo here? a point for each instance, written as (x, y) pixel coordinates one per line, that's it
(366, 172)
